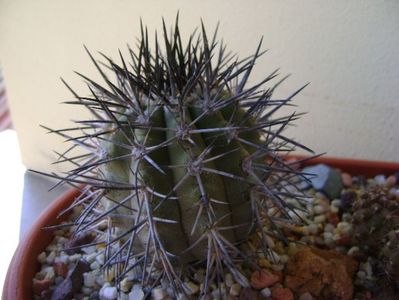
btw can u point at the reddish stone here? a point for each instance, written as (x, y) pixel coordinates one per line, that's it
(282, 294)
(391, 180)
(333, 218)
(262, 279)
(280, 275)
(346, 179)
(326, 274)
(61, 269)
(40, 285)
(344, 241)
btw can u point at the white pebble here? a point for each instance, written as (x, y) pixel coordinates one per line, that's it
(158, 293)
(50, 258)
(100, 258)
(91, 257)
(89, 279)
(122, 296)
(320, 219)
(235, 289)
(284, 258)
(86, 290)
(278, 267)
(228, 280)
(100, 280)
(126, 284)
(47, 273)
(266, 292)
(353, 250)
(336, 203)
(273, 256)
(136, 293)
(313, 228)
(329, 227)
(328, 238)
(75, 257)
(52, 247)
(42, 258)
(89, 249)
(334, 209)
(95, 265)
(318, 209)
(108, 293)
(380, 179)
(191, 288)
(345, 228)
(62, 259)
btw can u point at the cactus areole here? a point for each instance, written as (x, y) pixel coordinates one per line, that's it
(184, 160)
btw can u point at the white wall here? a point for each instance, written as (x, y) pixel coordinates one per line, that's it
(348, 50)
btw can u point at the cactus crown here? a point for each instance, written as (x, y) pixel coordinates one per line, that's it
(184, 160)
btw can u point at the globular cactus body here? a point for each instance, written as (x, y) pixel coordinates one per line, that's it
(184, 158)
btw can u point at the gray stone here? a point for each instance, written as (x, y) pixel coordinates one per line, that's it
(325, 179)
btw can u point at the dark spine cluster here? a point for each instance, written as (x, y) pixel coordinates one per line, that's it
(183, 159)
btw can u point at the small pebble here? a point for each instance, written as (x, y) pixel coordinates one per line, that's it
(306, 296)
(86, 291)
(320, 219)
(346, 179)
(50, 258)
(235, 289)
(40, 285)
(361, 275)
(95, 265)
(191, 288)
(42, 258)
(266, 292)
(380, 179)
(353, 250)
(262, 279)
(391, 180)
(136, 293)
(228, 280)
(273, 256)
(313, 228)
(89, 279)
(108, 293)
(282, 294)
(318, 209)
(158, 293)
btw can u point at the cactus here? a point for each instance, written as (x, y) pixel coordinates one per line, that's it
(376, 231)
(183, 159)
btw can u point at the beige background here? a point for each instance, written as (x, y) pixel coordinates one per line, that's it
(348, 50)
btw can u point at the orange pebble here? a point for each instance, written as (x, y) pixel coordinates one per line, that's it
(262, 279)
(40, 285)
(282, 294)
(61, 269)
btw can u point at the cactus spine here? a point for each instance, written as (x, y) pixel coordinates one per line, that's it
(184, 158)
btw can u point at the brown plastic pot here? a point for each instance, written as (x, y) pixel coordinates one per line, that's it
(24, 265)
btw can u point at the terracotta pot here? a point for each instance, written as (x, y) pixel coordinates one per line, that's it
(24, 265)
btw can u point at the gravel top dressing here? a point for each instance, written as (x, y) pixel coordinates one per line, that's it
(341, 251)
